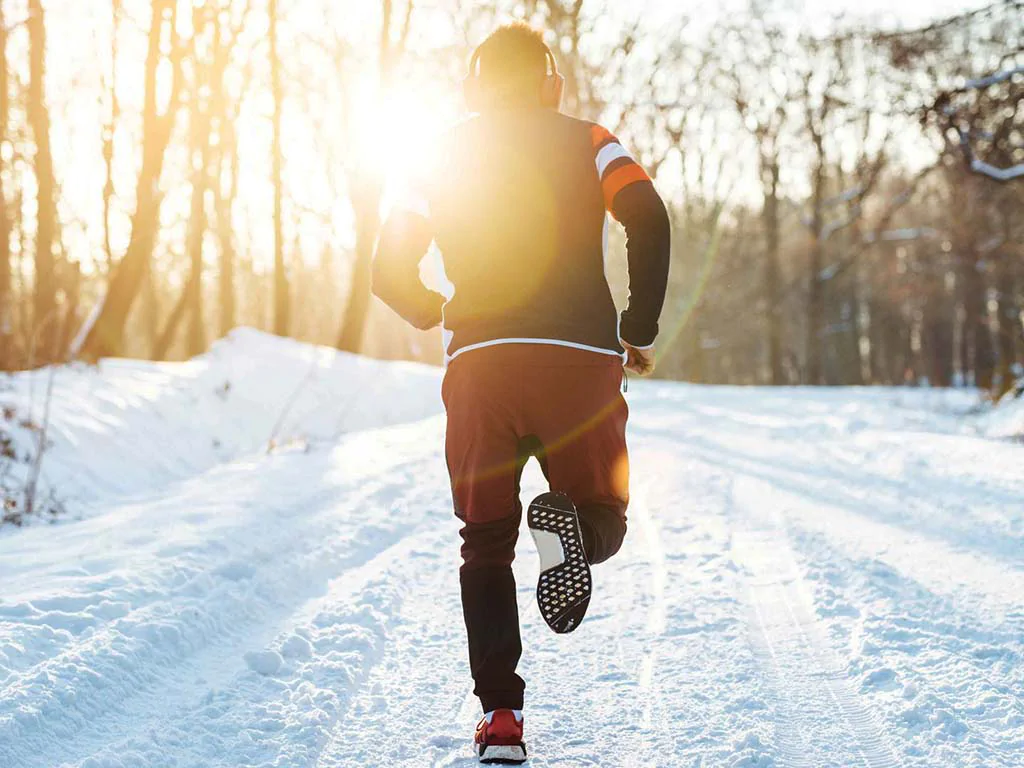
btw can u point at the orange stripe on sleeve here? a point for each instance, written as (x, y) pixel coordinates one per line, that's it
(599, 135)
(620, 178)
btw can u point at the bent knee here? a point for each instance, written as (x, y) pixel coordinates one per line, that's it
(604, 530)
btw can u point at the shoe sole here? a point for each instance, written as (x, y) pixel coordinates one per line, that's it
(564, 585)
(500, 754)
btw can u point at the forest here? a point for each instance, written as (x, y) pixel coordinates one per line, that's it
(847, 193)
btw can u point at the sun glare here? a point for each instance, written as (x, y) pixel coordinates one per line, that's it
(396, 132)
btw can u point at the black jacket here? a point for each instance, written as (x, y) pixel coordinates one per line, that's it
(517, 205)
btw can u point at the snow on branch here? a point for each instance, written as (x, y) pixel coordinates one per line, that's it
(979, 166)
(945, 107)
(853, 193)
(999, 174)
(904, 235)
(993, 79)
(835, 226)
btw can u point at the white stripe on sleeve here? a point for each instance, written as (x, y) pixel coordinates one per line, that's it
(608, 153)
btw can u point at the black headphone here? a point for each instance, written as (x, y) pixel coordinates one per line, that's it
(550, 89)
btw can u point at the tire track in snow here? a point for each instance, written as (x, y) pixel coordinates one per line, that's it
(656, 617)
(286, 561)
(890, 623)
(877, 524)
(819, 715)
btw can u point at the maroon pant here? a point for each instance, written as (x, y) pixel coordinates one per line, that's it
(506, 403)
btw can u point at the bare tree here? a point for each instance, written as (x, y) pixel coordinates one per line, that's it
(980, 120)
(199, 161)
(761, 102)
(46, 188)
(818, 102)
(109, 130)
(828, 108)
(282, 296)
(1008, 315)
(6, 293)
(225, 189)
(105, 336)
(211, 46)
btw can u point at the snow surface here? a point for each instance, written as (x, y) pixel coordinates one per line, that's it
(811, 578)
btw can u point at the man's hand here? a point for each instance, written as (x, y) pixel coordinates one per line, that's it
(639, 361)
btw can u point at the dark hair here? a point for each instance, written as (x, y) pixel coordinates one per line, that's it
(512, 62)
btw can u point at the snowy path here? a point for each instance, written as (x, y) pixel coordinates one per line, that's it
(810, 579)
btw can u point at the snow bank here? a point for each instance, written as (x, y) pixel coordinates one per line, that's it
(129, 427)
(812, 577)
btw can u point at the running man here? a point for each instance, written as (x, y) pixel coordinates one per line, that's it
(535, 347)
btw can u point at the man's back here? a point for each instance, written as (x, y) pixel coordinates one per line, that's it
(519, 217)
(517, 204)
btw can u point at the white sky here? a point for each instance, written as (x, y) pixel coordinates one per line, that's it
(890, 12)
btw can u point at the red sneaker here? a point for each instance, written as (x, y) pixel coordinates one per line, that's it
(499, 738)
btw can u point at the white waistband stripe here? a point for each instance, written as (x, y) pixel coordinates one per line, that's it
(554, 342)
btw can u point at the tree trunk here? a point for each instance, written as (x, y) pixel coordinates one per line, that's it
(281, 291)
(44, 322)
(938, 347)
(199, 157)
(166, 337)
(6, 295)
(366, 203)
(69, 319)
(149, 310)
(196, 340)
(1009, 321)
(772, 278)
(984, 350)
(108, 136)
(225, 186)
(853, 366)
(353, 324)
(106, 337)
(848, 341)
(886, 340)
(223, 204)
(977, 337)
(815, 288)
(1008, 309)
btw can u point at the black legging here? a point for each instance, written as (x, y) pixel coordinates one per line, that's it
(489, 593)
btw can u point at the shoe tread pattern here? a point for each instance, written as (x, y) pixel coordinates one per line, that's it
(563, 592)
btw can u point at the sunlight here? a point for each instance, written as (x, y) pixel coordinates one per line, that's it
(394, 133)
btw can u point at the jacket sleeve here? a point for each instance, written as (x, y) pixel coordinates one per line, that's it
(404, 240)
(631, 198)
